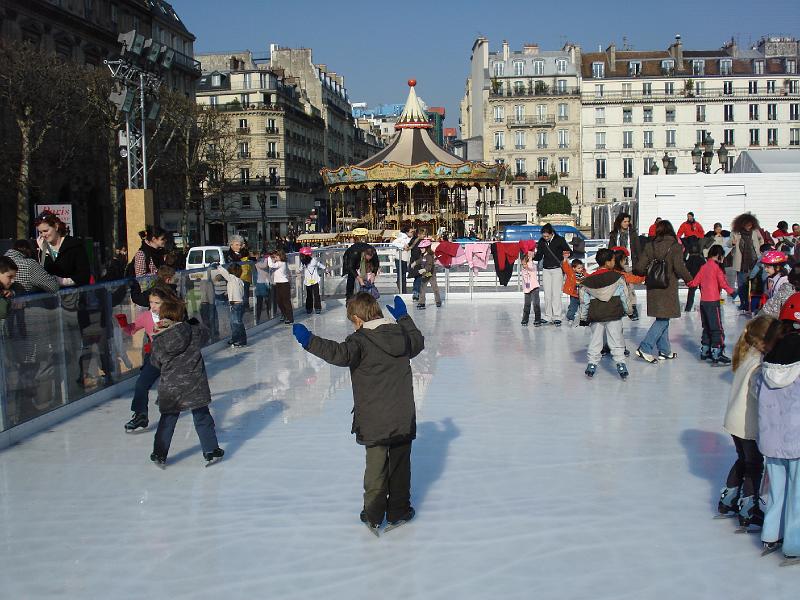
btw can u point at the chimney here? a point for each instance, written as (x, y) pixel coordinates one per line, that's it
(505, 50)
(611, 51)
(323, 68)
(676, 51)
(530, 49)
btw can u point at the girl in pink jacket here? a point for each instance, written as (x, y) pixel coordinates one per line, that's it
(530, 288)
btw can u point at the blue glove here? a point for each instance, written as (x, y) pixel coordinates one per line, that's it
(301, 334)
(399, 309)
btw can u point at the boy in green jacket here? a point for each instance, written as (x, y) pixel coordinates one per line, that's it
(384, 415)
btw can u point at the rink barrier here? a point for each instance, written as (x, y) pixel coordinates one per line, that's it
(63, 353)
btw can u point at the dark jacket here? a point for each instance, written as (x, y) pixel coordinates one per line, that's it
(664, 303)
(176, 351)
(551, 253)
(72, 262)
(351, 261)
(605, 297)
(379, 356)
(636, 249)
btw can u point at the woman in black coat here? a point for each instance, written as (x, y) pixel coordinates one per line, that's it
(624, 234)
(61, 254)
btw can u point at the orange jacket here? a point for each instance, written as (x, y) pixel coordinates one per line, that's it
(631, 279)
(572, 279)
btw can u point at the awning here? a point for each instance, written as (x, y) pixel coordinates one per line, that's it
(513, 217)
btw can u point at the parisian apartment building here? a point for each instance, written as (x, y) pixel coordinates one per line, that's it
(625, 113)
(288, 118)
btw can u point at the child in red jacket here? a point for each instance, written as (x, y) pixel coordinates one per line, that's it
(711, 279)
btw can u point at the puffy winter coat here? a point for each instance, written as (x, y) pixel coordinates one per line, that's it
(351, 260)
(604, 297)
(634, 247)
(779, 400)
(530, 276)
(664, 303)
(741, 416)
(176, 351)
(379, 356)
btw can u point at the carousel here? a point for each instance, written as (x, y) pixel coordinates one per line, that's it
(412, 181)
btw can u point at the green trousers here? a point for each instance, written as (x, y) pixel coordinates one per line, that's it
(387, 483)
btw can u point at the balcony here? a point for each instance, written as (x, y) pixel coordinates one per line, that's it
(519, 147)
(534, 121)
(521, 93)
(236, 106)
(271, 130)
(688, 95)
(243, 155)
(273, 154)
(541, 145)
(242, 131)
(187, 62)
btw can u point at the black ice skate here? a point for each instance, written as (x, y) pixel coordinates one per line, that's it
(750, 513)
(728, 503)
(770, 547)
(622, 370)
(159, 461)
(214, 456)
(138, 421)
(374, 529)
(400, 522)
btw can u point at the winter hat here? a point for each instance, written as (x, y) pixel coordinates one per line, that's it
(620, 249)
(306, 251)
(424, 243)
(791, 309)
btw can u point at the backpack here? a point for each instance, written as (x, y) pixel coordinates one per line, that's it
(657, 277)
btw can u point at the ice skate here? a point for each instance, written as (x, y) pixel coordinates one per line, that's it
(138, 421)
(524, 323)
(718, 359)
(705, 352)
(750, 513)
(728, 502)
(770, 547)
(790, 560)
(622, 370)
(557, 323)
(591, 369)
(400, 522)
(646, 357)
(667, 356)
(214, 456)
(159, 461)
(374, 529)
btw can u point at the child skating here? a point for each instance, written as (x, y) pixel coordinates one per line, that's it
(184, 384)
(311, 278)
(384, 415)
(605, 299)
(574, 272)
(530, 288)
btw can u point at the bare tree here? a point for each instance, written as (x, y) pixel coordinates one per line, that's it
(221, 155)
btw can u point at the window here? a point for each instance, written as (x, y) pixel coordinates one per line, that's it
(700, 113)
(772, 112)
(244, 176)
(563, 138)
(794, 112)
(244, 150)
(245, 201)
(600, 168)
(564, 190)
(770, 86)
(499, 113)
(244, 99)
(599, 90)
(627, 168)
(499, 140)
(667, 67)
(669, 88)
(600, 140)
(561, 86)
(754, 137)
(542, 191)
(519, 140)
(791, 65)
(727, 110)
(598, 70)
(754, 112)
(519, 68)
(601, 193)
(600, 115)
(727, 88)
(246, 80)
(772, 137)
(752, 87)
(793, 86)
(699, 88)
(541, 112)
(563, 112)
(671, 135)
(698, 67)
(541, 141)
(727, 137)
(647, 89)
(213, 100)
(648, 138)
(216, 80)
(563, 166)
(273, 200)
(794, 136)
(669, 114)
(648, 163)
(499, 68)
(648, 114)
(519, 88)
(519, 165)
(627, 115)
(758, 67)
(272, 150)
(242, 123)
(626, 90)
(701, 136)
(627, 139)
(519, 113)
(561, 66)
(634, 68)
(627, 193)
(502, 197)
(538, 67)
(541, 167)
(520, 194)
(726, 66)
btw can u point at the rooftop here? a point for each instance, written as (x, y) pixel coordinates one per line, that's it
(526, 476)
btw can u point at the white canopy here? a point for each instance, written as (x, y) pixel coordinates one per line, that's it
(768, 161)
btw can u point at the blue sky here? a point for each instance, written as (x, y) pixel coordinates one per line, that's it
(377, 46)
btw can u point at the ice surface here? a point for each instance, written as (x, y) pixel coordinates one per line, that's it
(529, 480)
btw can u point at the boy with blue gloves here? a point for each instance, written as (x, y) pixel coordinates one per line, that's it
(384, 414)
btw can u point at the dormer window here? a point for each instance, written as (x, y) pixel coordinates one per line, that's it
(519, 68)
(698, 67)
(758, 67)
(726, 66)
(216, 80)
(598, 70)
(538, 67)
(499, 68)
(561, 66)
(667, 67)
(791, 65)
(634, 68)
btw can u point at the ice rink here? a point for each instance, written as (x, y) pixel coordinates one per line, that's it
(529, 480)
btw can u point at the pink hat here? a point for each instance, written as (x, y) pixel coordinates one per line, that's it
(424, 243)
(773, 257)
(306, 250)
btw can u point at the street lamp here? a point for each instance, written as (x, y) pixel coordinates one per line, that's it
(654, 168)
(703, 156)
(722, 153)
(669, 164)
(708, 153)
(697, 157)
(262, 202)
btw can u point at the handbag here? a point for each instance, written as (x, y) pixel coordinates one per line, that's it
(370, 288)
(657, 277)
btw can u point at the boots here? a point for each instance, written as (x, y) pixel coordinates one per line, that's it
(750, 512)
(705, 352)
(728, 500)
(718, 359)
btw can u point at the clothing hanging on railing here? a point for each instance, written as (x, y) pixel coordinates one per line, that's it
(505, 255)
(445, 252)
(527, 245)
(477, 256)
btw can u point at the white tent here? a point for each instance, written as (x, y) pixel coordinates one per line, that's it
(768, 161)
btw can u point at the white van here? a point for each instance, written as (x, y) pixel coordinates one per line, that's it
(200, 257)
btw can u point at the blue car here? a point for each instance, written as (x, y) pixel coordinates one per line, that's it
(515, 233)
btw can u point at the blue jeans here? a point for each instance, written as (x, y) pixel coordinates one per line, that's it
(741, 289)
(417, 285)
(238, 333)
(572, 309)
(657, 338)
(203, 425)
(147, 377)
(782, 514)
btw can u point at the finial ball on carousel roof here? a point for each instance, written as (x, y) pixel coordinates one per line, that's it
(412, 82)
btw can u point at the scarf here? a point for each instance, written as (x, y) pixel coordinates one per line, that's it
(749, 257)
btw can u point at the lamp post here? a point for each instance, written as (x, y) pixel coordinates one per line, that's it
(669, 164)
(654, 168)
(262, 202)
(703, 155)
